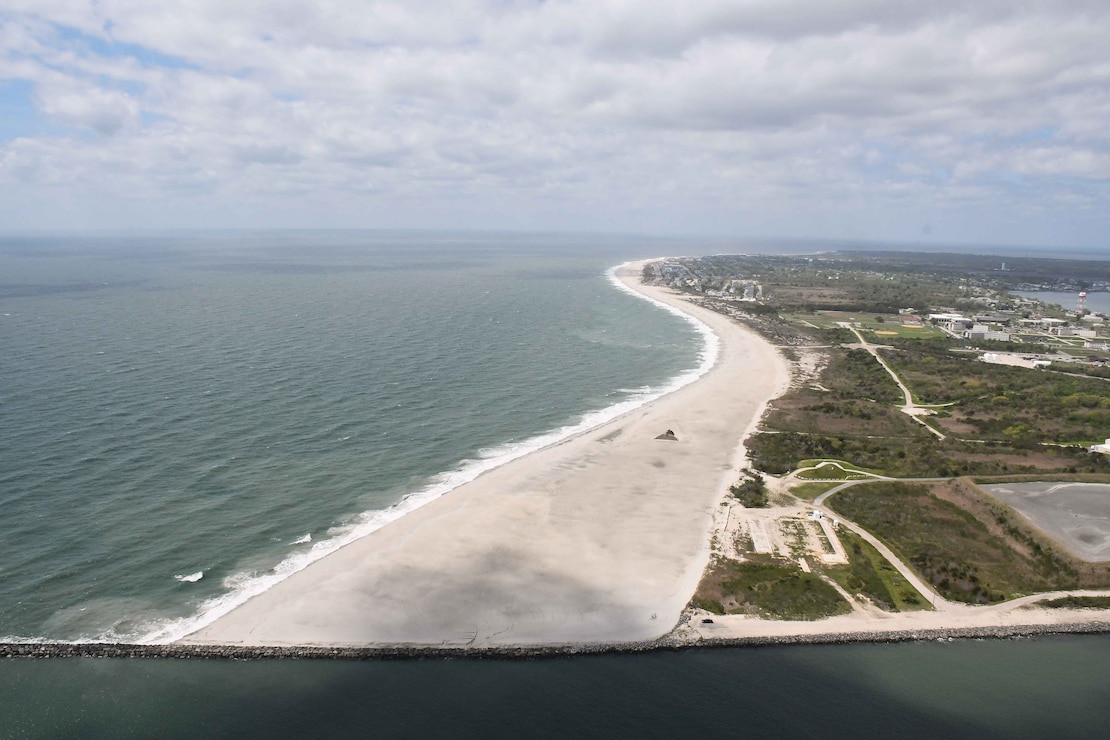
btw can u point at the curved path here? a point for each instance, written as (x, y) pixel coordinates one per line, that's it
(939, 603)
(913, 410)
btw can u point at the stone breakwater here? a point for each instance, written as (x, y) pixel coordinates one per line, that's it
(418, 652)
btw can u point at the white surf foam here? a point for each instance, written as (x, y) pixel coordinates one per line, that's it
(303, 540)
(242, 587)
(191, 577)
(21, 640)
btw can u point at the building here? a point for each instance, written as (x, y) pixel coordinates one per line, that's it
(1013, 358)
(1073, 331)
(981, 331)
(1042, 323)
(1103, 448)
(953, 322)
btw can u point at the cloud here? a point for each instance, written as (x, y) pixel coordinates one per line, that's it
(740, 115)
(105, 111)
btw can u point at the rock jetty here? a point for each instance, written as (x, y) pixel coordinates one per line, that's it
(419, 652)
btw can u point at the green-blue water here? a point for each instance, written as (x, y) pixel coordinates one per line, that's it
(223, 404)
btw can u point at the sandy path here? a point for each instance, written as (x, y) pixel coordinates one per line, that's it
(1022, 612)
(600, 538)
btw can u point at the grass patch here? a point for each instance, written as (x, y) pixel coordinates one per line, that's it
(842, 463)
(778, 453)
(948, 546)
(1078, 602)
(870, 574)
(769, 586)
(811, 318)
(834, 470)
(831, 472)
(810, 491)
(891, 328)
(710, 605)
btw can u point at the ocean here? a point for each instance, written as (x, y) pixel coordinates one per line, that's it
(187, 417)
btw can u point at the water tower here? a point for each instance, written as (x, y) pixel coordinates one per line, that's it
(1081, 304)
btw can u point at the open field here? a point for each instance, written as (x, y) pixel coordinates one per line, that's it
(1015, 405)
(996, 419)
(949, 546)
(890, 326)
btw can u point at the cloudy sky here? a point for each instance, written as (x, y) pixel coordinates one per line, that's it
(984, 121)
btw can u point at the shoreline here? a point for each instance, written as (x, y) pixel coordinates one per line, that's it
(1014, 619)
(598, 538)
(449, 480)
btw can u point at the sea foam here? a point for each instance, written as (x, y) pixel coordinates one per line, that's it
(241, 587)
(191, 577)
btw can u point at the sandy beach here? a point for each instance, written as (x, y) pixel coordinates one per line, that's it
(600, 538)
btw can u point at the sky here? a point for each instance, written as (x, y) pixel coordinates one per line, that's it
(940, 121)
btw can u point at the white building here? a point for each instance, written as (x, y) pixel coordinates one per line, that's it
(1013, 358)
(951, 321)
(1073, 331)
(981, 331)
(1103, 448)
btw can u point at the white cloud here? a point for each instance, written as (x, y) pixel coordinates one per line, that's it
(105, 111)
(575, 113)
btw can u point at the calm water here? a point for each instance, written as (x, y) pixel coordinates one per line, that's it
(183, 418)
(1095, 301)
(1044, 688)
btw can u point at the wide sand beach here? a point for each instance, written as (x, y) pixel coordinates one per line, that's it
(600, 538)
